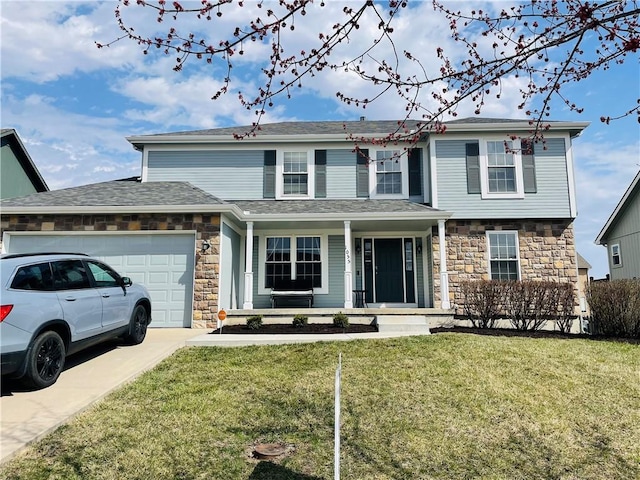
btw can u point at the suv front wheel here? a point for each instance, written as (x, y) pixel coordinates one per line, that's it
(138, 326)
(45, 360)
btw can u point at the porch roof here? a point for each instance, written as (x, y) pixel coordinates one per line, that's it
(364, 214)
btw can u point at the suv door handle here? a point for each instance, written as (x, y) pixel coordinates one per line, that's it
(105, 295)
(70, 299)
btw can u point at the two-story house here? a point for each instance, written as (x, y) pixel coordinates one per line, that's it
(214, 223)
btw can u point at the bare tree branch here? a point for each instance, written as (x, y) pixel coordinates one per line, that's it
(552, 44)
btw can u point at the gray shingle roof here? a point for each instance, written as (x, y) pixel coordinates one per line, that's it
(126, 192)
(308, 128)
(314, 207)
(356, 128)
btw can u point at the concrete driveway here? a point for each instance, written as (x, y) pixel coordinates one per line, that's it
(27, 416)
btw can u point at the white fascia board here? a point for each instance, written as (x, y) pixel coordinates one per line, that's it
(511, 127)
(571, 177)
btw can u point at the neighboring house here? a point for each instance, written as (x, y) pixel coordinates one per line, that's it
(214, 222)
(621, 234)
(18, 174)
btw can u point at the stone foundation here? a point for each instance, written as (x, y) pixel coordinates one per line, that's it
(207, 227)
(546, 248)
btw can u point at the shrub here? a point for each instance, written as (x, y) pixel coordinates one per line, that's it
(527, 304)
(254, 322)
(482, 302)
(566, 307)
(300, 320)
(615, 308)
(340, 320)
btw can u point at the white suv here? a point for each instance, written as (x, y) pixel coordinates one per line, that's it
(56, 304)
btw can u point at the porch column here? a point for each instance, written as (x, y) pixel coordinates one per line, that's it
(445, 303)
(248, 269)
(348, 301)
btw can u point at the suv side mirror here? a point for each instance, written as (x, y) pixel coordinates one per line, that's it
(126, 282)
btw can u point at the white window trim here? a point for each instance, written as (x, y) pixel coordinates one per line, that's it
(513, 232)
(616, 245)
(484, 169)
(280, 174)
(404, 171)
(324, 258)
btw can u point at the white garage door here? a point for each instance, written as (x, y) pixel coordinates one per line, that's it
(164, 263)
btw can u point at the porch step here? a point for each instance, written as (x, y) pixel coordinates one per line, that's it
(418, 324)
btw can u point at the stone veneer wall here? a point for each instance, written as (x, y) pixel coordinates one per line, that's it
(207, 227)
(547, 252)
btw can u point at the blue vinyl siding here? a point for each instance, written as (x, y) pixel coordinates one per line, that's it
(335, 297)
(550, 201)
(259, 301)
(230, 274)
(341, 174)
(227, 174)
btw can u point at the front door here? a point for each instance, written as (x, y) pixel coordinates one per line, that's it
(389, 285)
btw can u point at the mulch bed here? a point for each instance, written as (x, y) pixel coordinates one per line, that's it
(287, 328)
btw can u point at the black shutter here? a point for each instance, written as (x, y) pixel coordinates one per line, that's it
(415, 176)
(529, 167)
(269, 175)
(362, 173)
(473, 168)
(321, 173)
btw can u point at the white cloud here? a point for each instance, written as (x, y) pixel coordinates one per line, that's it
(43, 41)
(70, 149)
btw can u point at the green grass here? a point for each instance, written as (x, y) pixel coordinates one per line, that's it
(446, 406)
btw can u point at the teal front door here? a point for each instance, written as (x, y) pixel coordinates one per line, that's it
(389, 270)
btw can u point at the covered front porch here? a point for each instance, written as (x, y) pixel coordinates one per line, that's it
(362, 254)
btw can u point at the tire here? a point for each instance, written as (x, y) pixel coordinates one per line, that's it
(138, 326)
(45, 360)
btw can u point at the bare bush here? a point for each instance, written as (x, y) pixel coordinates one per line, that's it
(615, 308)
(482, 302)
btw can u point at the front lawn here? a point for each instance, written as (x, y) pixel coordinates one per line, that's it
(445, 406)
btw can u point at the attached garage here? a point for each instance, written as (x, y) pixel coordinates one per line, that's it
(162, 261)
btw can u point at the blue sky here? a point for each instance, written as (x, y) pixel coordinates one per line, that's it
(73, 105)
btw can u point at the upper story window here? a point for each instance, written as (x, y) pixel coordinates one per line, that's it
(616, 257)
(294, 174)
(501, 169)
(391, 175)
(504, 261)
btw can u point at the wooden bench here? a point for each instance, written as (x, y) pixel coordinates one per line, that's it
(288, 289)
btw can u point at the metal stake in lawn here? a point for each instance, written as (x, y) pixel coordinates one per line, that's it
(222, 315)
(336, 451)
